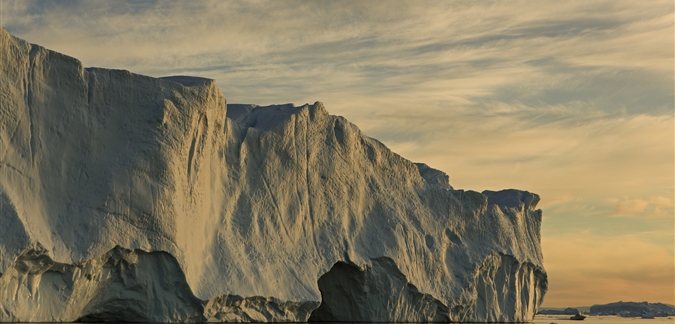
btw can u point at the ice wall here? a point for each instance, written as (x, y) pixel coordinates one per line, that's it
(182, 208)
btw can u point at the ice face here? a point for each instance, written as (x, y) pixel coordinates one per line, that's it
(102, 169)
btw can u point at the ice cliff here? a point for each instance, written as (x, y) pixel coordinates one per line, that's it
(130, 198)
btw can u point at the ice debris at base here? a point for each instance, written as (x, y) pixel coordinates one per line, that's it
(130, 198)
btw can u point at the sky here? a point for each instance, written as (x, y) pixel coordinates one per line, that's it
(572, 100)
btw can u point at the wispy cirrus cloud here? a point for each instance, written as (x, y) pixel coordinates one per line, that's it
(652, 207)
(548, 53)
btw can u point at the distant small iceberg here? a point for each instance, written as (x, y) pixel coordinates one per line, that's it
(578, 317)
(633, 309)
(566, 311)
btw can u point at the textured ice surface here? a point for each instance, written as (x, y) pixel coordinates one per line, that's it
(124, 196)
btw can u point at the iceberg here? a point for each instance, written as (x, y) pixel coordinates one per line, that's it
(634, 309)
(130, 198)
